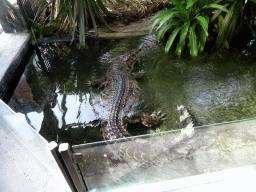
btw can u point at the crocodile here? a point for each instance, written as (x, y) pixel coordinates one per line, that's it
(121, 98)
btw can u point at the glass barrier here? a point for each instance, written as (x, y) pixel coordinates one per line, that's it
(166, 156)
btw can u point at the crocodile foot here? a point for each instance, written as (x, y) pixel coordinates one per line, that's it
(139, 74)
(159, 113)
(153, 119)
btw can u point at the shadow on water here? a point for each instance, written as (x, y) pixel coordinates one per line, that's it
(53, 97)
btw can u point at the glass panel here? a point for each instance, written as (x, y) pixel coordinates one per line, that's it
(167, 156)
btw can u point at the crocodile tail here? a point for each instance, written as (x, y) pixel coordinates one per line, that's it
(186, 121)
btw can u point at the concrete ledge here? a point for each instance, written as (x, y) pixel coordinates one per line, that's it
(26, 163)
(13, 49)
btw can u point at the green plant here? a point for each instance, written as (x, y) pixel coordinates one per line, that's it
(234, 19)
(40, 30)
(250, 15)
(188, 18)
(72, 15)
(217, 28)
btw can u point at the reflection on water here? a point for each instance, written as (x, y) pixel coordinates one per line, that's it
(53, 97)
(86, 111)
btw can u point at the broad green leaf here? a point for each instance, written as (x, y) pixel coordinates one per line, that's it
(203, 23)
(215, 15)
(216, 6)
(179, 5)
(202, 39)
(153, 25)
(157, 19)
(191, 3)
(184, 31)
(237, 11)
(161, 15)
(183, 34)
(183, 15)
(161, 33)
(166, 18)
(193, 41)
(154, 17)
(171, 39)
(220, 20)
(225, 27)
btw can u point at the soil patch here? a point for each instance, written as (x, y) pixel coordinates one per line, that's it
(131, 19)
(134, 28)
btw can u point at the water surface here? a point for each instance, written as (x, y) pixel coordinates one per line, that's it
(54, 99)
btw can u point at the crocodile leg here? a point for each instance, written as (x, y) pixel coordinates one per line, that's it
(139, 74)
(153, 119)
(146, 119)
(97, 81)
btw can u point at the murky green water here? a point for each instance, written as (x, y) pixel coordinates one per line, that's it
(63, 108)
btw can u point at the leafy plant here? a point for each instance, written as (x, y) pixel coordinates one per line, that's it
(40, 30)
(217, 28)
(73, 15)
(234, 18)
(188, 19)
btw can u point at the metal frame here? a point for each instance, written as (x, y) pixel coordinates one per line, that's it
(68, 165)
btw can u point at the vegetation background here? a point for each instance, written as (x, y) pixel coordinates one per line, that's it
(185, 23)
(195, 25)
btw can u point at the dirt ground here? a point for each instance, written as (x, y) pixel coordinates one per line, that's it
(133, 28)
(130, 21)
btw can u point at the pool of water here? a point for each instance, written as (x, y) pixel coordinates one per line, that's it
(54, 98)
